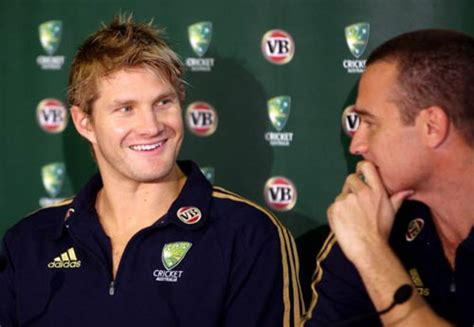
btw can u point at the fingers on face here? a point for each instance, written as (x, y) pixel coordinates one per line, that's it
(370, 174)
(354, 184)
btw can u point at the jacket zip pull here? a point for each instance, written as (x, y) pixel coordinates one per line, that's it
(111, 288)
(452, 286)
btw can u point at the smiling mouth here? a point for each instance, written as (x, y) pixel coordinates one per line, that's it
(146, 147)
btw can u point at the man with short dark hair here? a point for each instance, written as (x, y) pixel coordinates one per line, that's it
(148, 241)
(406, 215)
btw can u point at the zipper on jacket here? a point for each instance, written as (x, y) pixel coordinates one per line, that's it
(138, 235)
(111, 288)
(126, 250)
(452, 286)
(85, 248)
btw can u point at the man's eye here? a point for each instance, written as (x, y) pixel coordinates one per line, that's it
(367, 123)
(164, 102)
(125, 109)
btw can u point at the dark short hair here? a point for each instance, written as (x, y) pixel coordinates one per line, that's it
(435, 68)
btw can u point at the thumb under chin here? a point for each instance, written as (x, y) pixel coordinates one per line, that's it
(398, 198)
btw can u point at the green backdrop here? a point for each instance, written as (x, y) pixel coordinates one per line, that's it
(315, 84)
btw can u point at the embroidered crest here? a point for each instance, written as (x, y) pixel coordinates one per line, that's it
(189, 215)
(174, 253)
(414, 229)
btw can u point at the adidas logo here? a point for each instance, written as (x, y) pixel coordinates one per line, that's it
(67, 259)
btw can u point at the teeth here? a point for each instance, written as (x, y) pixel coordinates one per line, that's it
(147, 147)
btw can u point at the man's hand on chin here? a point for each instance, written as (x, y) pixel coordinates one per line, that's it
(362, 216)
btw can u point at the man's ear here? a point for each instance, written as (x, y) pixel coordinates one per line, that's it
(436, 125)
(83, 123)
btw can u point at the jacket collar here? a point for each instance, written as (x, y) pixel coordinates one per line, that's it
(190, 210)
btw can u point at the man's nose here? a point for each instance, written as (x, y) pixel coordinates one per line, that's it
(358, 144)
(149, 123)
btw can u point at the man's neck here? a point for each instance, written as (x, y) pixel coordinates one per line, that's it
(124, 205)
(451, 202)
(453, 219)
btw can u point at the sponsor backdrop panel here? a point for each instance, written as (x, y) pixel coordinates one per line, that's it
(267, 113)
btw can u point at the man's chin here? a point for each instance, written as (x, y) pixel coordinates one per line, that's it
(158, 175)
(392, 191)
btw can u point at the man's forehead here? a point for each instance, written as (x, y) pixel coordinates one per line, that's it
(106, 95)
(378, 84)
(123, 71)
(113, 78)
(378, 72)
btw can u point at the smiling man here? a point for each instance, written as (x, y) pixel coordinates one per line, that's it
(405, 217)
(148, 241)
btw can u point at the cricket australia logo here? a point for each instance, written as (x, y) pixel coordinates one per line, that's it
(171, 257)
(278, 112)
(209, 173)
(53, 176)
(50, 37)
(357, 38)
(200, 35)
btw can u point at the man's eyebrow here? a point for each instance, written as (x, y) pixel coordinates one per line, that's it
(363, 113)
(122, 101)
(168, 93)
(125, 101)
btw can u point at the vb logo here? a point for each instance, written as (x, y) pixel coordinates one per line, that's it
(51, 116)
(280, 193)
(278, 47)
(201, 118)
(350, 121)
(189, 215)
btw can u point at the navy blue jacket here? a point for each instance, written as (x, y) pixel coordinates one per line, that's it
(215, 259)
(339, 293)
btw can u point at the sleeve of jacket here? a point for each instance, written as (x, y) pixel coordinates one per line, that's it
(338, 293)
(7, 294)
(264, 287)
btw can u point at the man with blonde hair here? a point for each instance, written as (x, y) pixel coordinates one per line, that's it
(148, 241)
